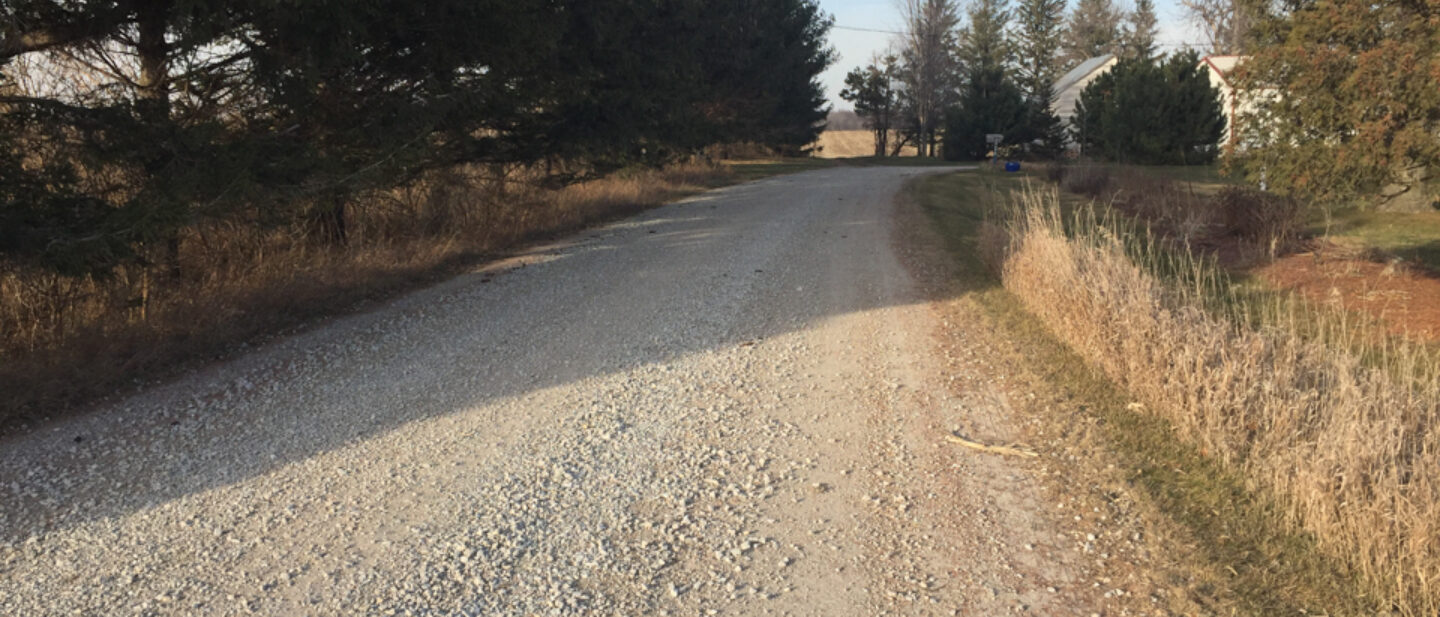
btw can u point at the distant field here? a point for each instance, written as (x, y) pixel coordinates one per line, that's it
(847, 144)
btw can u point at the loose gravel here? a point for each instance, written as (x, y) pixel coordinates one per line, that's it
(726, 405)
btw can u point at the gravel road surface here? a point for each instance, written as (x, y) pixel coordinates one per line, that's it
(729, 405)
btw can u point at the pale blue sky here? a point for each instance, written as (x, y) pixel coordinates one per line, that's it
(856, 48)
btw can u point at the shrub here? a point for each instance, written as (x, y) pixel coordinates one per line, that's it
(1260, 216)
(1055, 172)
(1149, 112)
(1092, 181)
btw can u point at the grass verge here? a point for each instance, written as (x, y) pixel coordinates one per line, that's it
(1244, 541)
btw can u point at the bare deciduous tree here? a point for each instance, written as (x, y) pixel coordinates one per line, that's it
(929, 71)
(1225, 23)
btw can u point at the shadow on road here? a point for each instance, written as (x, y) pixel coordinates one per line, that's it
(730, 266)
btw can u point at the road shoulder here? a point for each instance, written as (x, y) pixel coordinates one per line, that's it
(1129, 559)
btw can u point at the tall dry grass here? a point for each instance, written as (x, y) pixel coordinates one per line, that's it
(1339, 426)
(64, 340)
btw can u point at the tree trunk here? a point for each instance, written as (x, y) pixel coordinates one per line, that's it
(152, 94)
(153, 87)
(172, 254)
(333, 226)
(900, 142)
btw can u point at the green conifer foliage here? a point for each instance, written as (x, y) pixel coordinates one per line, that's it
(1153, 113)
(1343, 101)
(125, 121)
(1038, 29)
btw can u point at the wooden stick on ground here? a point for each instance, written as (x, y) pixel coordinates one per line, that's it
(1008, 450)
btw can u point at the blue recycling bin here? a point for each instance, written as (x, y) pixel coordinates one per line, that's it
(1012, 166)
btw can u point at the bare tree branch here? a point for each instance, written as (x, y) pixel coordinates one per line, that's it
(1225, 23)
(15, 41)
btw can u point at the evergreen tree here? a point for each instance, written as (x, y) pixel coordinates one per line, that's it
(1346, 102)
(1140, 28)
(1038, 30)
(1151, 113)
(983, 45)
(872, 91)
(1195, 110)
(1093, 30)
(764, 88)
(152, 115)
(990, 102)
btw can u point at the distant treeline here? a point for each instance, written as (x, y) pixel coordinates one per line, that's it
(845, 120)
(125, 121)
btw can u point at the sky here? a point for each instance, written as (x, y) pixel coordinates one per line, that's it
(856, 48)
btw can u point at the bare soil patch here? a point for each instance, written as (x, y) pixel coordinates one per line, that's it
(1404, 299)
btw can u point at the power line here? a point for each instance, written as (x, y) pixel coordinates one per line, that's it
(854, 29)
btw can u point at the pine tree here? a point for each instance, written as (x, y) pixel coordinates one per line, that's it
(1140, 29)
(1038, 31)
(156, 115)
(983, 42)
(1145, 112)
(872, 90)
(1093, 30)
(990, 102)
(1346, 102)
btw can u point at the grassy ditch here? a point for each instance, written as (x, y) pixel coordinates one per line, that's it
(1246, 478)
(66, 342)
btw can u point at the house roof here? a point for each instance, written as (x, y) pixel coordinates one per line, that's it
(1078, 73)
(1222, 65)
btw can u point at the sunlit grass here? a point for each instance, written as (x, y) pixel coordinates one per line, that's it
(1242, 494)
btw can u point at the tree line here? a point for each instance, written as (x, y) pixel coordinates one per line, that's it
(124, 121)
(1334, 100)
(992, 69)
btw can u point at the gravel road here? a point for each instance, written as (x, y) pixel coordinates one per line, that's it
(728, 405)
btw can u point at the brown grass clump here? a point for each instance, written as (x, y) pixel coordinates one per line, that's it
(64, 341)
(1241, 226)
(1086, 179)
(1259, 216)
(1342, 431)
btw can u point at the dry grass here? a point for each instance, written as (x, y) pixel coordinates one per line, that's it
(1338, 426)
(1218, 548)
(849, 144)
(66, 341)
(1239, 225)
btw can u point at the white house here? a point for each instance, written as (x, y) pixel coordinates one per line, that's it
(1220, 68)
(1068, 87)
